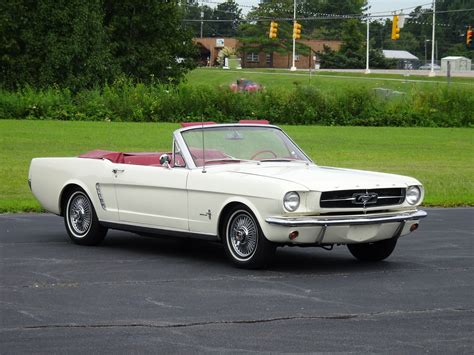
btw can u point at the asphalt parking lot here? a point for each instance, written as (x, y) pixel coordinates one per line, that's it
(134, 294)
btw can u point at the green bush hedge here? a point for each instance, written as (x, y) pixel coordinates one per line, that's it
(124, 101)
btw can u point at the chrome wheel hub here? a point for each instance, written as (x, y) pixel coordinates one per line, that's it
(243, 235)
(80, 214)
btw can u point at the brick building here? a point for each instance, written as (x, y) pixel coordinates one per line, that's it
(210, 47)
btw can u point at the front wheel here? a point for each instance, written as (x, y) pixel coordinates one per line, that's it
(375, 251)
(81, 221)
(244, 241)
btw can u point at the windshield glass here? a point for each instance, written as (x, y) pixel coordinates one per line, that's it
(235, 144)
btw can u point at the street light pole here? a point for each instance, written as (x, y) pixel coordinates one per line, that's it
(293, 67)
(367, 70)
(432, 72)
(426, 40)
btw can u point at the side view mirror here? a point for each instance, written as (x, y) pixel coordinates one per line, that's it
(165, 160)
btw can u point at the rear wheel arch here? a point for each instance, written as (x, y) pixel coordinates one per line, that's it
(80, 218)
(67, 190)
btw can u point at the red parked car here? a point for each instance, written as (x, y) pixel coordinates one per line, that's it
(244, 85)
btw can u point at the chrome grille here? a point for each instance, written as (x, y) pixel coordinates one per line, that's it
(362, 198)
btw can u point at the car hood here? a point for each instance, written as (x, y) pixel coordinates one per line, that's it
(322, 178)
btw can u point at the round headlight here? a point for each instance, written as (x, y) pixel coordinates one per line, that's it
(291, 201)
(413, 195)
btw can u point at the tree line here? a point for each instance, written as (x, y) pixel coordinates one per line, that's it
(80, 44)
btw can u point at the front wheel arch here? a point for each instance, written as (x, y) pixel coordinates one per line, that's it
(228, 207)
(264, 250)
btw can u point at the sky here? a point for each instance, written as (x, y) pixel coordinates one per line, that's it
(388, 6)
(377, 5)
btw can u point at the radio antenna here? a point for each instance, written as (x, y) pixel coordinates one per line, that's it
(203, 151)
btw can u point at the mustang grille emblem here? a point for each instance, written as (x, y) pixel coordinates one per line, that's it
(365, 198)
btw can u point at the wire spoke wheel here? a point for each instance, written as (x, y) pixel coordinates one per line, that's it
(79, 214)
(242, 234)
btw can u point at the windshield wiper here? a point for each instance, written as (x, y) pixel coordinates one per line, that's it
(282, 160)
(223, 160)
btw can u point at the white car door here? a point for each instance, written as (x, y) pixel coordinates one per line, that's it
(152, 196)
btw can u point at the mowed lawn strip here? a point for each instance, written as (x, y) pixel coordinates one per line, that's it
(441, 158)
(325, 81)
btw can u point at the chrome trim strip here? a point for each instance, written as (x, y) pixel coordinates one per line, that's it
(353, 198)
(152, 231)
(341, 221)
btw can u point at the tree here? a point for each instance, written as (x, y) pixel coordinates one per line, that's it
(148, 39)
(53, 43)
(192, 11)
(254, 36)
(228, 10)
(330, 28)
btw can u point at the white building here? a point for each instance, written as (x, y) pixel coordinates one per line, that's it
(457, 63)
(405, 60)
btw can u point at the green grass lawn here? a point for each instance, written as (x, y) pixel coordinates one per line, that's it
(442, 159)
(326, 81)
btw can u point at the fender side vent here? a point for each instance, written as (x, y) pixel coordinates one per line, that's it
(99, 194)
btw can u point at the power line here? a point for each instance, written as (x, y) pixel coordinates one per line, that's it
(403, 9)
(220, 3)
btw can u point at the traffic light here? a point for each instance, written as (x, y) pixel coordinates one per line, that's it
(273, 30)
(395, 28)
(296, 30)
(469, 35)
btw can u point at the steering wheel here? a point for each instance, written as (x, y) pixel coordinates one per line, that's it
(262, 152)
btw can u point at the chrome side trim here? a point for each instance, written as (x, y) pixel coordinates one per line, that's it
(346, 220)
(150, 231)
(99, 194)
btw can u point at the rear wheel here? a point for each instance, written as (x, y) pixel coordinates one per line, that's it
(375, 251)
(244, 241)
(80, 219)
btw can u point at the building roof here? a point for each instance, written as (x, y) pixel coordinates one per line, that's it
(454, 58)
(392, 54)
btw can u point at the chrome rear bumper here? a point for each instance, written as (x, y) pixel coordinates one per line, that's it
(308, 221)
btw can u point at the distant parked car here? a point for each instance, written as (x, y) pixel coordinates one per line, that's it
(244, 85)
(428, 67)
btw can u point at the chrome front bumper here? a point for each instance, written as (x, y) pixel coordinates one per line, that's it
(308, 221)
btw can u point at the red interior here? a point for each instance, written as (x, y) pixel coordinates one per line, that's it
(189, 124)
(254, 121)
(152, 159)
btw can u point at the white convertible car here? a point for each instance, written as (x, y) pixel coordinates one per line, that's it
(247, 185)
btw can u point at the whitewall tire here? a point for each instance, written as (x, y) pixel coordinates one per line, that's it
(80, 219)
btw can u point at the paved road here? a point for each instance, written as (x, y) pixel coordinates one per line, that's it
(135, 294)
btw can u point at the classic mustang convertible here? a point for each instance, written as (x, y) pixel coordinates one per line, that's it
(247, 185)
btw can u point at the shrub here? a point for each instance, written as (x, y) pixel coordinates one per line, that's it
(125, 100)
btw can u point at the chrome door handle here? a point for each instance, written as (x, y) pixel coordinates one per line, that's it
(116, 171)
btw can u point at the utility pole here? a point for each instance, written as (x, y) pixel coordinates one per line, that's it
(432, 72)
(202, 22)
(293, 67)
(367, 70)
